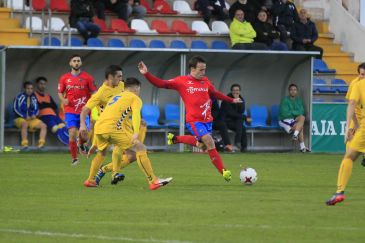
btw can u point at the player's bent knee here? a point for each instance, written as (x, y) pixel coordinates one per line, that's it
(140, 147)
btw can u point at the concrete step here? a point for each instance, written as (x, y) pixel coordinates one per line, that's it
(14, 33)
(5, 13)
(9, 23)
(331, 57)
(324, 38)
(322, 26)
(327, 48)
(19, 41)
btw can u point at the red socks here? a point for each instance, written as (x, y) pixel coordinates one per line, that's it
(73, 149)
(186, 139)
(216, 160)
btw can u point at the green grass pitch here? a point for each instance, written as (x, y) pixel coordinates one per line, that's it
(43, 200)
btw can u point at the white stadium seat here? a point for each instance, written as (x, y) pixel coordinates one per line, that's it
(17, 4)
(220, 27)
(183, 7)
(201, 27)
(141, 26)
(36, 23)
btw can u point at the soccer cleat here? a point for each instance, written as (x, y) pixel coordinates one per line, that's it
(295, 137)
(99, 176)
(117, 178)
(305, 150)
(363, 160)
(90, 183)
(171, 139)
(160, 182)
(336, 198)
(227, 175)
(75, 162)
(83, 149)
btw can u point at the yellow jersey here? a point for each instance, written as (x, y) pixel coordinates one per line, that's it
(103, 95)
(115, 117)
(358, 108)
(358, 95)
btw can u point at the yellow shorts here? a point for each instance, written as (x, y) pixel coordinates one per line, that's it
(122, 140)
(358, 141)
(32, 123)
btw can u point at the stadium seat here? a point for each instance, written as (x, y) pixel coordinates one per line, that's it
(319, 66)
(39, 5)
(259, 116)
(181, 27)
(183, 7)
(320, 86)
(161, 27)
(115, 43)
(178, 44)
(151, 114)
(141, 26)
(150, 10)
(317, 100)
(121, 26)
(219, 45)
(36, 23)
(163, 7)
(94, 42)
(274, 109)
(201, 27)
(59, 5)
(9, 116)
(339, 100)
(56, 24)
(157, 44)
(103, 27)
(339, 86)
(16, 4)
(198, 44)
(74, 41)
(54, 41)
(220, 27)
(172, 115)
(137, 43)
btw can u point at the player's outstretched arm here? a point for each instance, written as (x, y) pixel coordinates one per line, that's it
(159, 83)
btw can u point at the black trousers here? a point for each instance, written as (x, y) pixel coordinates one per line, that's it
(240, 130)
(308, 47)
(223, 130)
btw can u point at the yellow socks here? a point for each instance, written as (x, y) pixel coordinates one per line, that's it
(344, 174)
(41, 143)
(95, 165)
(142, 133)
(24, 143)
(144, 164)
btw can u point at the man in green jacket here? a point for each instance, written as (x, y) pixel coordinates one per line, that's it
(291, 116)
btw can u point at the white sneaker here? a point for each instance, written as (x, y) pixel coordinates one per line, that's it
(160, 182)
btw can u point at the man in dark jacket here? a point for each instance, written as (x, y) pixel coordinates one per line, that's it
(119, 7)
(285, 14)
(81, 18)
(220, 125)
(304, 35)
(249, 7)
(233, 116)
(210, 7)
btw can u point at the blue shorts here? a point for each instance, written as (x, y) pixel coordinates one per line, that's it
(51, 120)
(199, 129)
(73, 120)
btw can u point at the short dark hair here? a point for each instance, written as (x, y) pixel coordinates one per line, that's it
(112, 70)
(236, 85)
(37, 80)
(361, 66)
(195, 60)
(292, 85)
(26, 83)
(74, 55)
(131, 81)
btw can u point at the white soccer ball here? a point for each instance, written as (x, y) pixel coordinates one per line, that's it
(248, 176)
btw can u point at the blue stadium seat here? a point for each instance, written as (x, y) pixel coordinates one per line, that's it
(54, 41)
(151, 114)
(172, 115)
(115, 43)
(275, 116)
(9, 116)
(178, 44)
(157, 44)
(319, 66)
(339, 89)
(317, 100)
(339, 100)
(319, 86)
(137, 43)
(76, 41)
(198, 44)
(219, 45)
(259, 116)
(94, 42)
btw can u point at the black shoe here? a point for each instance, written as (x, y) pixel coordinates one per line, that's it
(83, 149)
(75, 162)
(117, 178)
(305, 150)
(363, 160)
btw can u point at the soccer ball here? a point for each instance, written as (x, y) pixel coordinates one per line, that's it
(248, 176)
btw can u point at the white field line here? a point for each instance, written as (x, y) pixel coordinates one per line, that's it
(85, 236)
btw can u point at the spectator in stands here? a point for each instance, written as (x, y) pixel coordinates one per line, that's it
(135, 8)
(212, 7)
(233, 117)
(81, 18)
(26, 109)
(48, 111)
(249, 7)
(267, 34)
(305, 34)
(285, 14)
(119, 7)
(220, 125)
(291, 116)
(242, 34)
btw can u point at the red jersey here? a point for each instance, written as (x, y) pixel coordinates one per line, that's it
(78, 90)
(195, 93)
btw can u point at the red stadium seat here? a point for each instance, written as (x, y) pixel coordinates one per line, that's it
(101, 23)
(39, 5)
(161, 27)
(182, 27)
(163, 7)
(150, 10)
(121, 26)
(59, 5)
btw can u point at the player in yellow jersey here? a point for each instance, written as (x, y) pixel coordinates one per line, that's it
(354, 136)
(113, 128)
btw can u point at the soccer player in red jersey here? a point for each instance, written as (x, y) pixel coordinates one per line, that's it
(196, 91)
(74, 90)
